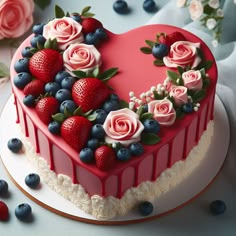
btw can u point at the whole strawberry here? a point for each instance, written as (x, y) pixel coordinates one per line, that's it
(4, 214)
(105, 157)
(75, 130)
(169, 39)
(45, 64)
(35, 88)
(90, 25)
(90, 93)
(46, 107)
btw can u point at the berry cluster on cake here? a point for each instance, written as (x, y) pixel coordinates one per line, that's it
(110, 114)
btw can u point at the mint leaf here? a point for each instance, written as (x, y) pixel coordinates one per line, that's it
(108, 74)
(146, 50)
(79, 73)
(158, 62)
(42, 3)
(59, 13)
(173, 75)
(198, 95)
(150, 43)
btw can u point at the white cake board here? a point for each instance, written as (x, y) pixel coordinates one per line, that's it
(18, 167)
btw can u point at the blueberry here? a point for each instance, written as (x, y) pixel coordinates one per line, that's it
(27, 52)
(101, 116)
(22, 65)
(110, 105)
(67, 83)
(217, 207)
(187, 108)
(93, 143)
(29, 100)
(62, 95)
(69, 105)
(32, 180)
(76, 17)
(54, 127)
(38, 28)
(121, 7)
(3, 187)
(145, 208)
(22, 79)
(15, 145)
(37, 40)
(91, 38)
(52, 88)
(151, 126)
(101, 33)
(160, 50)
(98, 131)
(123, 154)
(23, 211)
(114, 97)
(149, 6)
(136, 149)
(61, 75)
(86, 155)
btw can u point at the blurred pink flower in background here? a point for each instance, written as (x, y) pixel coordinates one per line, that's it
(16, 17)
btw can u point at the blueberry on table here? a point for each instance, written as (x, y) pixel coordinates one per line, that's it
(23, 211)
(121, 7)
(15, 145)
(3, 187)
(32, 180)
(217, 207)
(145, 208)
(149, 6)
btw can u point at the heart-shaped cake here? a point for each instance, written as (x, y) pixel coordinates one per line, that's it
(111, 112)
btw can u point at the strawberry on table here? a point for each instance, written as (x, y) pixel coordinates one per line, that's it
(4, 214)
(46, 107)
(105, 157)
(75, 130)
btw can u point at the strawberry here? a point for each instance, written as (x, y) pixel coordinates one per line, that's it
(35, 88)
(89, 93)
(45, 64)
(169, 39)
(46, 107)
(3, 211)
(75, 130)
(104, 157)
(90, 25)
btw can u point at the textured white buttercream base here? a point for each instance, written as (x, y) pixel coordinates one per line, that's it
(107, 208)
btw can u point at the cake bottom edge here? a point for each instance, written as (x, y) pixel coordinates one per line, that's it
(110, 207)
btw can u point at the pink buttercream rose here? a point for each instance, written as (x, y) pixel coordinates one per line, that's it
(179, 93)
(82, 57)
(192, 79)
(163, 111)
(15, 17)
(182, 53)
(123, 126)
(66, 30)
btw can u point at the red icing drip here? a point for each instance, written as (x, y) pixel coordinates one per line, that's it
(154, 169)
(185, 154)
(119, 177)
(51, 155)
(36, 138)
(17, 110)
(25, 125)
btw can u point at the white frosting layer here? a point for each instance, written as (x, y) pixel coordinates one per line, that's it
(107, 208)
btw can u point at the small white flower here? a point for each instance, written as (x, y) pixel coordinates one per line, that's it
(181, 3)
(214, 43)
(214, 3)
(220, 12)
(211, 23)
(131, 94)
(195, 9)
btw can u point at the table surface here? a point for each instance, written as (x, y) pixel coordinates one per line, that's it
(192, 219)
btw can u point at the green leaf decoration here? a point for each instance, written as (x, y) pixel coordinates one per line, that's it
(67, 14)
(95, 72)
(173, 75)
(88, 14)
(123, 104)
(150, 138)
(91, 117)
(199, 95)
(85, 12)
(146, 50)
(4, 71)
(42, 3)
(145, 116)
(203, 72)
(158, 96)
(59, 13)
(158, 62)
(206, 83)
(207, 64)
(140, 111)
(80, 74)
(150, 43)
(180, 70)
(78, 112)
(179, 113)
(59, 117)
(200, 53)
(108, 74)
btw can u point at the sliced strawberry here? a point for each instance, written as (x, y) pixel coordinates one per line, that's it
(89, 93)
(105, 157)
(35, 88)
(46, 107)
(90, 25)
(75, 130)
(45, 64)
(4, 214)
